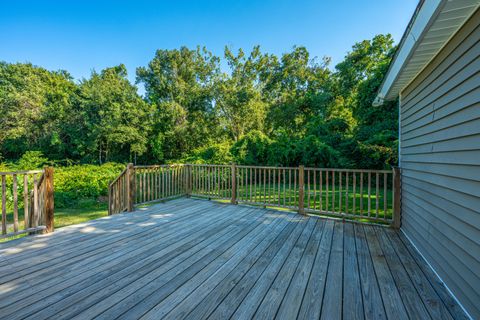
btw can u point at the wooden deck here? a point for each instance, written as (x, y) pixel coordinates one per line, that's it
(199, 259)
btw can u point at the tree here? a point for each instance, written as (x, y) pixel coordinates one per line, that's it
(296, 86)
(36, 107)
(115, 121)
(239, 102)
(179, 83)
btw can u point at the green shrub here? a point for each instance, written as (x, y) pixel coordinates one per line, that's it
(83, 181)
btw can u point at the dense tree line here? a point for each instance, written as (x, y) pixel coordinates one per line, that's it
(264, 109)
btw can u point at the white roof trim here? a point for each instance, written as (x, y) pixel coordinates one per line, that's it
(424, 38)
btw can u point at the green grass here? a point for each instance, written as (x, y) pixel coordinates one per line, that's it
(312, 198)
(82, 211)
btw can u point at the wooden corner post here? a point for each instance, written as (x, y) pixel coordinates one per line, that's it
(234, 184)
(301, 189)
(49, 204)
(130, 187)
(397, 198)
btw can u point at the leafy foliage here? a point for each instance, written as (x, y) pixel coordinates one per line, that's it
(248, 108)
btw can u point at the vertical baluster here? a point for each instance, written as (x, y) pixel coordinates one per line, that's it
(168, 182)
(35, 201)
(295, 197)
(254, 183)
(164, 182)
(25, 201)
(385, 200)
(377, 202)
(264, 186)
(369, 199)
(173, 187)
(333, 191)
(327, 185)
(160, 183)
(354, 192)
(321, 190)
(272, 201)
(4, 205)
(279, 186)
(361, 193)
(269, 179)
(144, 189)
(308, 188)
(149, 180)
(284, 184)
(347, 188)
(246, 183)
(217, 179)
(250, 183)
(314, 189)
(289, 187)
(15, 203)
(340, 191)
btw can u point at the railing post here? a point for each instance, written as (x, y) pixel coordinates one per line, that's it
(301, 190)
(49, 204)
(130, 187)
(234, 184)
(397, 193)
(109, 200)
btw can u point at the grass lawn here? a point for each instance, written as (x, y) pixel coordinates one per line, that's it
(82, 211)
(314, 199)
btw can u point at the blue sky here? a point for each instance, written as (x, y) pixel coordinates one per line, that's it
(80, 36)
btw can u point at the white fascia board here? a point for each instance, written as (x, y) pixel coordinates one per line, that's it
(422, 21)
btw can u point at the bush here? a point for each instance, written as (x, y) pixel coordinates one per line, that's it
(31, 160)
(78, 182)
(218, 153)
(252, 149)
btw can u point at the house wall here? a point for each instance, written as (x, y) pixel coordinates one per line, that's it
(440, 161)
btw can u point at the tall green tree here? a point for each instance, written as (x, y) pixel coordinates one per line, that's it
(35, 108)
(239, 102)
(115, 121)
(179, 83)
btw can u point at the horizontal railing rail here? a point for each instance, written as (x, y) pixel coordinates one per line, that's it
(28, 193)
(362, 194)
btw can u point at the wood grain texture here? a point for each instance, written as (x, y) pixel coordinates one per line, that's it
(197, 259)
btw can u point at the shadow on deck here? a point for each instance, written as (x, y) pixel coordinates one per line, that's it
(201, 259)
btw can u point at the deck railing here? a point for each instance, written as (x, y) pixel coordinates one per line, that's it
(27, 193)
(371, 195)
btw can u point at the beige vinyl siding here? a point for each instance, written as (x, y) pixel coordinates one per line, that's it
(440, 160)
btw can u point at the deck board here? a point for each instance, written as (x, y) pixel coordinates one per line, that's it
(198, 259)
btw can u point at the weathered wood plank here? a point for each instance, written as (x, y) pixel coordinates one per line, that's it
(332, 301)
(144, 251)
(238, 278)
(430, 298)
(392, 300)
(372, 299)
(312, 301)
(257, 281)
(66, 303)
(273, 298)
(411, 300)
(178, 304)
(196, 259)
(352, 292)
(159, 288)
(449, 302)
(294, 295)
(63, 254)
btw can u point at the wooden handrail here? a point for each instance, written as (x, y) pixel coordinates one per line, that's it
(22, 172)
(345, 193)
